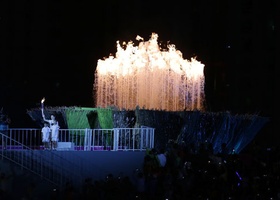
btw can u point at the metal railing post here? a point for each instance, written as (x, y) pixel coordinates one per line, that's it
(116, 139)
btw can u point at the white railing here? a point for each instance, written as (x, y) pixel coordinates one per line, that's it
(117, 139)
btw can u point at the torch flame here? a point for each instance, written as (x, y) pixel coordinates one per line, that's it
(42, 101)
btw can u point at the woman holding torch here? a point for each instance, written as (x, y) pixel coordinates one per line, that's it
(53, 125)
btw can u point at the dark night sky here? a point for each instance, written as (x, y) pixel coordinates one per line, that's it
(50, 48)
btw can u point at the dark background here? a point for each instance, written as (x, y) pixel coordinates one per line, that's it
(50, 48)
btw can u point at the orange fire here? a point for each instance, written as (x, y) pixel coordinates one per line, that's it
(149, 77)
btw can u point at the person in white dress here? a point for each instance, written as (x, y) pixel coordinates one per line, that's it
(46, 134)
(54, 130)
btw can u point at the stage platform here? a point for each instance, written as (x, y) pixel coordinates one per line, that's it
(93, 164)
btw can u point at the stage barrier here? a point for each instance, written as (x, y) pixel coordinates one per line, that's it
(116, 139)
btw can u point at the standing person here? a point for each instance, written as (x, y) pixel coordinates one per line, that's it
(54, 130)
(46, 135)
(161, 158)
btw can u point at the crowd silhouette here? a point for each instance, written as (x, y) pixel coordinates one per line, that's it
(179, 172)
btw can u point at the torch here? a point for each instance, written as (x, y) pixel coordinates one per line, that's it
(42, 106)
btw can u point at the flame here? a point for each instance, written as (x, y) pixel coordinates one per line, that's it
(149, 77)
(42, 101)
